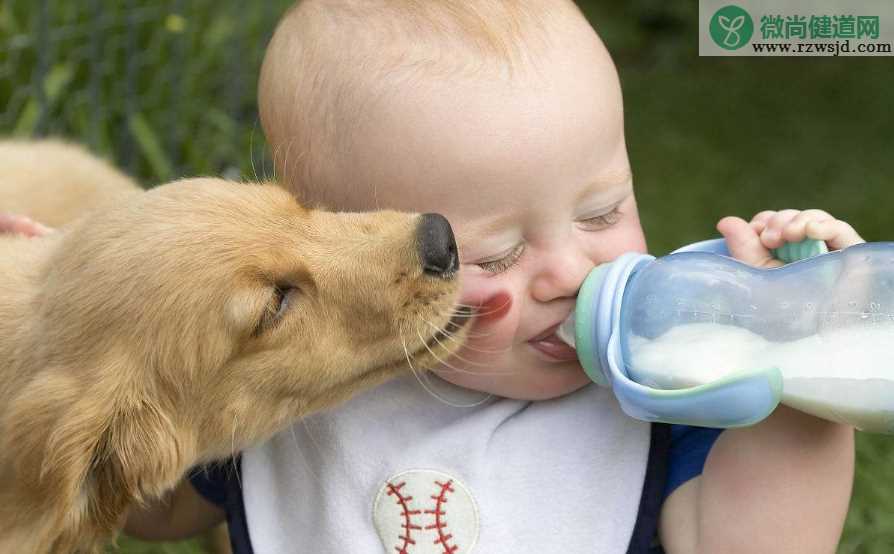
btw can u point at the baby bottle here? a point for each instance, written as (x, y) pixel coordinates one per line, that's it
(699, 338)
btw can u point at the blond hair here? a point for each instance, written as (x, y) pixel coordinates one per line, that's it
(330, 59)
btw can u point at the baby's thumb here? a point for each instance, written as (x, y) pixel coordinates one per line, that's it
(744, 243)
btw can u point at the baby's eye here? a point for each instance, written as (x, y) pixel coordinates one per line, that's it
(603, 221)
(504, 262)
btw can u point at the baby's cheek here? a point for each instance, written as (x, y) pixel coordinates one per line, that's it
(475, 288)
(627, 236)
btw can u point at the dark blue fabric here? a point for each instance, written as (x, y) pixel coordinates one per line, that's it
(677, 453)
(210, 482)
(645, 529)
(689, 447)
(221, 484)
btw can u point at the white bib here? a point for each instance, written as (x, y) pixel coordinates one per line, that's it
(395, 470)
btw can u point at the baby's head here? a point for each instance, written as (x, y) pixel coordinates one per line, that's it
(505, 116)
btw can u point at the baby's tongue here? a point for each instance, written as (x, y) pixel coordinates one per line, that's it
(491, 302)
(495, 307)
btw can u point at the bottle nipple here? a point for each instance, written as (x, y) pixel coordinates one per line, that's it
(566, 331)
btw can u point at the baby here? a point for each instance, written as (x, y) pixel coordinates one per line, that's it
(505, 116)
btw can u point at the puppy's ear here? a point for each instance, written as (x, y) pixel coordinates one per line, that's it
(141, 452)
(84, 452)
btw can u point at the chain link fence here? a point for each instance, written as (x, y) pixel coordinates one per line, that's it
(164, 88)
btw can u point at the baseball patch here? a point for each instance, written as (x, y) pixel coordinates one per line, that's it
(422, 511)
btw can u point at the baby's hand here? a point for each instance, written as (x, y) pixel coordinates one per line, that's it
(752, 241)
(22, 225)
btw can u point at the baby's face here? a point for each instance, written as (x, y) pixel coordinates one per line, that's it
(534, 176)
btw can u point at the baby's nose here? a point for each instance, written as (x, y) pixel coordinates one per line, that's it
(437, 247)
(563, 270)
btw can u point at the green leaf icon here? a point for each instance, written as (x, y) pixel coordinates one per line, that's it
(731, 27)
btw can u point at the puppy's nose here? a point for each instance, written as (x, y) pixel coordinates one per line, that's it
(437, 247)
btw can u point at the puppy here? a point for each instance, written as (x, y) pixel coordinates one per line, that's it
(177, 326)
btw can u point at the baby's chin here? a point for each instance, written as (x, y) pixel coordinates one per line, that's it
(529, 383)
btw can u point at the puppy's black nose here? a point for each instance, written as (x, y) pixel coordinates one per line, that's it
(437, 247)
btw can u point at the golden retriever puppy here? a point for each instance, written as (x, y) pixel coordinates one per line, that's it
(179, 325)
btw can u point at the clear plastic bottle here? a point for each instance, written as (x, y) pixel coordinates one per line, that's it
(700, 338)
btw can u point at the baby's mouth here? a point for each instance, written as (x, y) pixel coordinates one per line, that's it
(552, 346)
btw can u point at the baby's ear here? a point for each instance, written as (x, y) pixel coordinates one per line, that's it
(84, 452)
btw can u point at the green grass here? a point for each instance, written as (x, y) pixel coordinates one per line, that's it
(164, 87)
(707, 137)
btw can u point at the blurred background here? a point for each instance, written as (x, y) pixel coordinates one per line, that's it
(166, 88)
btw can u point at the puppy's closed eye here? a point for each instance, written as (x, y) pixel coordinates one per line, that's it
(282, 298)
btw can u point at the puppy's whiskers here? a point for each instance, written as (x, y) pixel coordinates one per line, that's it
(277, 152)
(479, 305)
(469, 333)
(452, 337)
(428, 388)
(311, 436)
(454, 355)
(476, 313)
(474, 335)
(233, 451)
(454, 368)
(251, 152)
(301, 454)
(432, 352)
(287, 162)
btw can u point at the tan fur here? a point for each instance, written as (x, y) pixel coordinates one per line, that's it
(131, 348)
(53, 182)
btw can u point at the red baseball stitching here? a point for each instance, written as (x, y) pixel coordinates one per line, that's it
(439, 524)
(404, 503)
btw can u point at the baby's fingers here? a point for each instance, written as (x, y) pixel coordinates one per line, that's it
(760, 220)
(771, 236)
(744, 243)
(836, 233)
(796, 229)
